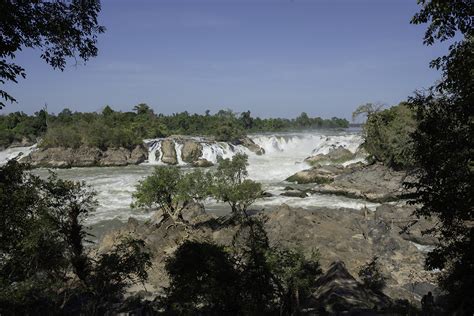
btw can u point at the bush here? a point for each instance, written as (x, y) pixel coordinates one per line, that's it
(387, 135)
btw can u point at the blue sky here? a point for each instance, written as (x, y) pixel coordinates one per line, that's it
(272, 57)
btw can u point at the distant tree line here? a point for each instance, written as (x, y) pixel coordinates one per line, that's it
(126, 129)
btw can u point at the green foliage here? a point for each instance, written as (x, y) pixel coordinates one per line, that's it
(372, 277)
(127, 129)
(232, 187)
(387, 134)
(249, 278)
(443, 149)
(203, 281)
(59, 29)
(172, 190)
(44, 267)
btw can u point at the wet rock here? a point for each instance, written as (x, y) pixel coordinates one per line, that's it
(202, 163)
(336, 155)
(168, 152)
(295, 193)
(250, 144)
(320, 175)
(191, 151)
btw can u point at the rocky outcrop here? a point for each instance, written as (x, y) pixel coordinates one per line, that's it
(191, 151)
(202, 163)
(250, 144)
(348, 235)
(85, 157)
(168, 152)
(335, 155)
(337, 291)
(320, 174)
(376, 183)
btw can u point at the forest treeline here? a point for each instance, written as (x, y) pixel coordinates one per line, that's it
(126, 129)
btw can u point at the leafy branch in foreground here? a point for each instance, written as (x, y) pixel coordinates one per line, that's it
(60, 29)
(44, 266)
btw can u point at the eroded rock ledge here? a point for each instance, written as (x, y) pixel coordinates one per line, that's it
(86, 157)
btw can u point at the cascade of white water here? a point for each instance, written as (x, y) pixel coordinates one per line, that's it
(15, 152)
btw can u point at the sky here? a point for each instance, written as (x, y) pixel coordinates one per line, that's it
(276, 58)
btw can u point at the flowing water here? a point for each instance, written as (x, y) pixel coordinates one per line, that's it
(284, 155)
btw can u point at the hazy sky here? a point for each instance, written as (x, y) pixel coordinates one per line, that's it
(273, 57)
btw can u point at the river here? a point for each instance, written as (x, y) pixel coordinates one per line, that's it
(284, 156)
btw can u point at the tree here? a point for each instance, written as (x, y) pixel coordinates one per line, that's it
(44, 266)
(366, 109)
(204, 280)
(60, 29)
(232, 187)
(246, 119)
(171, 190)
(295, 275)
(143, 109)
(387, 134)
(443, 149)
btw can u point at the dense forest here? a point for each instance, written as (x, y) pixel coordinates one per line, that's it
(126, 129)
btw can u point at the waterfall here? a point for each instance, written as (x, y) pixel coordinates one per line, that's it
(11, 153)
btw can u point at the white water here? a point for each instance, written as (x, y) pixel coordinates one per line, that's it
(284, 155)
(15, 152)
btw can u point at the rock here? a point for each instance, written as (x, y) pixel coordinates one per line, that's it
(338, 291)
(336, 155)
(250, 144)
(115, 157)
(191, 151)
(265, 194)
(202, 163)
(338, 235)
(375, 183)
(52, 158)
(194, 212)
(320, 175)
(138, 155)
(86, 157)
(168, 152)
(295, 193)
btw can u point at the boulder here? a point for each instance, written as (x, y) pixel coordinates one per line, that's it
(335, 155)
(250, 144)
(337, 291)
(86, 157)
(138, 155)
(375, 183)
(57, 157)
(115, 157)
(319, 175)
(168, 152)
(191, 151)
(202, 163)
(294, 193)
